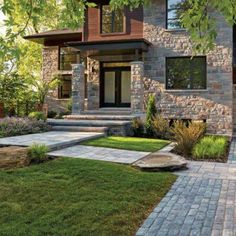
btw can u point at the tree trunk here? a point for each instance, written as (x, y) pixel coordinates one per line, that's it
(1, 110)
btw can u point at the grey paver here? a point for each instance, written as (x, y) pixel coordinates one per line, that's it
(53, 139)
(99, 153)
(202, 201)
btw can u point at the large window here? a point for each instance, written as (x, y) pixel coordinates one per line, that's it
(174, 11)
(112, 21)
(186, 73)
(65, 87)
(68, 56)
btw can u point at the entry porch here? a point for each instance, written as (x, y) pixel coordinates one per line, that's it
(110, 76)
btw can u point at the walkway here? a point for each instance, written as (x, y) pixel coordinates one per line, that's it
(53, 139)
(101, 154)
(201, 202)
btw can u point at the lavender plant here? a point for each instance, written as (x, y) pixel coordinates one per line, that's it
(12, 126)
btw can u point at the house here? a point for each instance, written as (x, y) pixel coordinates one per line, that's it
(120, 57)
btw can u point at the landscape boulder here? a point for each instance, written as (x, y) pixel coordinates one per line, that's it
(13, 156)
(159, 161)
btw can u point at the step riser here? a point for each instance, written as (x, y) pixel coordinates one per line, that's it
(80, 129)
(88, 123)
(99, 117)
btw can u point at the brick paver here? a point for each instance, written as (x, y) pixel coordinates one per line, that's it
(202, 202)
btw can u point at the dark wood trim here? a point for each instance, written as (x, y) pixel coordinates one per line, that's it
(141, 44)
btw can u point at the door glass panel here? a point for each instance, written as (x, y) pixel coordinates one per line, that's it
(109, 84)
(125, 86)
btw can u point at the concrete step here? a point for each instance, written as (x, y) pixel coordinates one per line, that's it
(87, 123)
(80, 129)
(99, 117)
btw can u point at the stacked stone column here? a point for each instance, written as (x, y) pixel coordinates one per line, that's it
(78, 93)
(137, 87)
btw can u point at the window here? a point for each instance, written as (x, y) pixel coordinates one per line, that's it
(65, 87)
(174, 11)
(186, 73)
(112, 21)
(68, 56)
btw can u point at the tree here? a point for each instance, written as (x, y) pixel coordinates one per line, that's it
(43, 87)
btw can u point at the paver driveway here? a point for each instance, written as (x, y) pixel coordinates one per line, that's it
(201, 202)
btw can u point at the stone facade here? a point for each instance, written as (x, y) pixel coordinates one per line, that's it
(137, 87)
(213, 104)
(77, 89)
(93, 84)
(50, 71)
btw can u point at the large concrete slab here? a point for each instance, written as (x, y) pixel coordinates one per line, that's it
(101, 154)
(53, 139)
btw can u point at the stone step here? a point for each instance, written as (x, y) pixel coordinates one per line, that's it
(100, 117)
(87, 123)
(81, 129)
(114, 127)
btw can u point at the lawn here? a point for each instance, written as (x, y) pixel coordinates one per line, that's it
(78, 197)
(129, 143)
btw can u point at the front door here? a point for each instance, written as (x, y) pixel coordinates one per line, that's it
(115, 87)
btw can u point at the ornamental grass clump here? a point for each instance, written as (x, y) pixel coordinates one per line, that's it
(137, 127)
(211, 147)
(37, 153)
(12, 126)
(160, 127)
(186, 135)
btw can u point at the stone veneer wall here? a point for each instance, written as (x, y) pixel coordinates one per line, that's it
(49, 71)
(93, 81)
(214, 104)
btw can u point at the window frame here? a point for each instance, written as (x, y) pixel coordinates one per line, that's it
(191, 89)
(60, 97)
(167, 19)
(101, 22)
(77, 53)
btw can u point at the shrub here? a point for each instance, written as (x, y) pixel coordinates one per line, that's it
(210, 147)
(38, 115)
(52, 114)
(151, 112)
(37, 153)
(160, 127)
(138, 127)
(12, 126)
(69, 106)
(61, 114)
(186, 136)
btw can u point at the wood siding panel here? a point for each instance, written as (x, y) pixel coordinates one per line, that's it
(133, 26)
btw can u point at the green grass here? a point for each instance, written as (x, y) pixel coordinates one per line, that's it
(128, 143)
(211, 148)
(78, 197)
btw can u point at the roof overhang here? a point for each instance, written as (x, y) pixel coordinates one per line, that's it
(111, 47)
(54, 36)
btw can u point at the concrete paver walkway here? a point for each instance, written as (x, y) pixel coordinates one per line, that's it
(201, 202)
(100, 153)
(53, 139)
